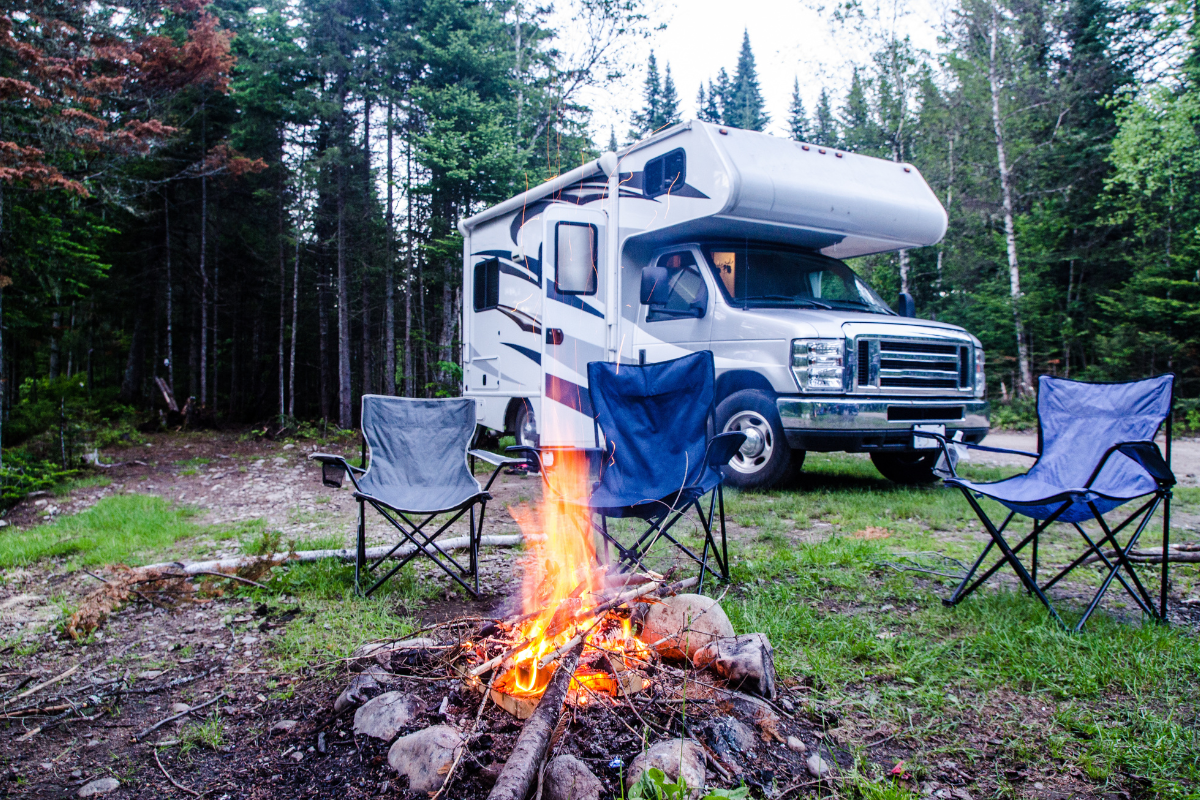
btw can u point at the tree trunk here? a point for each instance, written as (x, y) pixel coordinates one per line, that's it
(389, 294)
(203, 265)
(133, 364)
(409, 388)
(55, 320)
(282, 405)
(345, 415)
(323, 334)
(295, 320)
(1006, 192)
(216, 323)
(170, 294)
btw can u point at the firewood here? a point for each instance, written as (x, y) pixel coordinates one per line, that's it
(1180, 555)
(525, 762)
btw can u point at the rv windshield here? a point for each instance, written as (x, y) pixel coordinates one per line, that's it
(768, 276)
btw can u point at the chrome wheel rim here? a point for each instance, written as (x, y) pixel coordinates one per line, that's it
(756, 452)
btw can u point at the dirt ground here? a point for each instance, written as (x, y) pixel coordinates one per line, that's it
(222, 645)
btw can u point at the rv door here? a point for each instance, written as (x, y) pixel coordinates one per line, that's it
(574, 321)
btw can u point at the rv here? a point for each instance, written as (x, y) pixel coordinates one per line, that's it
(706, 237)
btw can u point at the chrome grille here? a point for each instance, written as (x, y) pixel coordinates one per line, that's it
(913, 366)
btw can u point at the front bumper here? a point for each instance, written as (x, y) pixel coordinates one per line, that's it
(853, 424)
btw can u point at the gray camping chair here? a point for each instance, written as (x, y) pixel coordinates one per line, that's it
(415, 465)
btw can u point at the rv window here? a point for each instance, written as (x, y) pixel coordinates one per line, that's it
(575, 257)
(664, 174)
(487, 284)
(688, 295)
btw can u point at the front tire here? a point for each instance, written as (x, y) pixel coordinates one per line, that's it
(912, 469)
(765, 459)
(525, 426)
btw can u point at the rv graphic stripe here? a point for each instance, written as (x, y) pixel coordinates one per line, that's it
(523, 320)
(507, 266)
(570, 394)
(525, 351)
(572, 300)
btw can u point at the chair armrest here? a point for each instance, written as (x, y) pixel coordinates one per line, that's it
(722, 447)
(495, 460)
(1146, 455)
(999, 450)
(334, 468)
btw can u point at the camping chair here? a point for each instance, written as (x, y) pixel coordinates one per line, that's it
(1096, 453)
(656, 459)
(417, 468)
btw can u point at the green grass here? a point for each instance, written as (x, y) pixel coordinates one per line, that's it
(127, 528)
(90, 482)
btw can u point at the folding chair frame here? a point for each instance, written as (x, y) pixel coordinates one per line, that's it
(334, 468)
(1148, 456)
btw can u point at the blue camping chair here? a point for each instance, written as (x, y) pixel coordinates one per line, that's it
(656, 458)
(1096, 453)
(415, 455)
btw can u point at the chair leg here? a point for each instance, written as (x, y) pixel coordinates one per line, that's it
(724, 546)
(1166, 539)
(360, 552)
(1033, 574)
(476, 541)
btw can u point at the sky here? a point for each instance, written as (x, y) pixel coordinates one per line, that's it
(790, 39)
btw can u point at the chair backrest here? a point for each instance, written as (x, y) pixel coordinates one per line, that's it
(1079, 422)
(654, 418)
(418, 443)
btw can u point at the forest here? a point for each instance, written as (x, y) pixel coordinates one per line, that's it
(253, 203)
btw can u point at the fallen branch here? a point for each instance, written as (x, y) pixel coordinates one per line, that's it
(521, 770)
(138, 737)
(174, 782)
(1175, 555)
(345, 554)
(41, 685)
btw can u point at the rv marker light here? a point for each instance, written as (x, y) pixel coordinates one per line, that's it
(724, 132)
(803, 147)
(821, 150)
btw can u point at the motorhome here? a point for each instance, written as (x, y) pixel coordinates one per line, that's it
(707, 237)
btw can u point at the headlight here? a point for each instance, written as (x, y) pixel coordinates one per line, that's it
(819, 364)
(980, 378)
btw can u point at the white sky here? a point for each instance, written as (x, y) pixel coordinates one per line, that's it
(790, 38)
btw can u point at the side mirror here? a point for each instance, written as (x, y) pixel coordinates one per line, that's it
(907, 307)
(655, 286)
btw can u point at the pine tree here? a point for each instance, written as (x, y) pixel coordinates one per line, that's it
(669, 105)
(644, 120)
(797, 119)
(719, 96)
(825, 127)
(707, 106)
(746, 101)
(612, 139)
(860, 132)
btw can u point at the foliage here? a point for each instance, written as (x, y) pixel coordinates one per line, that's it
(654, 785)
(23, 473)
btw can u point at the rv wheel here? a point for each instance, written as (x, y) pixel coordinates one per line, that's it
(908, 468)
(525, 426)
(765, 457)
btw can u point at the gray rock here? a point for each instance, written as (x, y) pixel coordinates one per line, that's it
(818, 767)
(385, 654)
(795, 745)
(283, 726)
(421, 755)
(362, 687)
(98, 787)
(568, 778)
(676, 758)
(730, 739)
(680, 625)
(746, 662)
(387, 715)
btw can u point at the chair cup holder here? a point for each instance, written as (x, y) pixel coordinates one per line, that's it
(332, 475)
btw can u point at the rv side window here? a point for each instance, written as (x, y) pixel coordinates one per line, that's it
(688, 296)
(575, 258)
(487, 284)
(664, 174)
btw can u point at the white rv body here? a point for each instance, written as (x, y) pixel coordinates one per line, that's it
(532, 318)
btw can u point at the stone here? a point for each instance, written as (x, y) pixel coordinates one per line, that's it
(795, 745)
(676, 758)
(568, 778)
(149, 674)
(284, 726)
(362, 687)
(98, 787)
(387, 654)
(817, 766)
(679, 626)
(387, 715)
(424, 757)
(730, 739)
(747, 662)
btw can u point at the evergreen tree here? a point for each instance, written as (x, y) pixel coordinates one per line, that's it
(612, 139)
(745, 101)
(645, 121)
(797, 119)
(708, 107)
(860, 133)
(669, 105)
(719, 96)
(825, 126)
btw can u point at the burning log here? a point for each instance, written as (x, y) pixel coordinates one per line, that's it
(525, 762)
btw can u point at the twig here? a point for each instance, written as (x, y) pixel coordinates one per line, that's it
(174, 782)
(238, 578)
(138, 737)
(127, 588)
(487, 693)
(42, 685)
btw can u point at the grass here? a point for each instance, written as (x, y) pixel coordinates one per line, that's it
(128, 528)
(90, 482)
